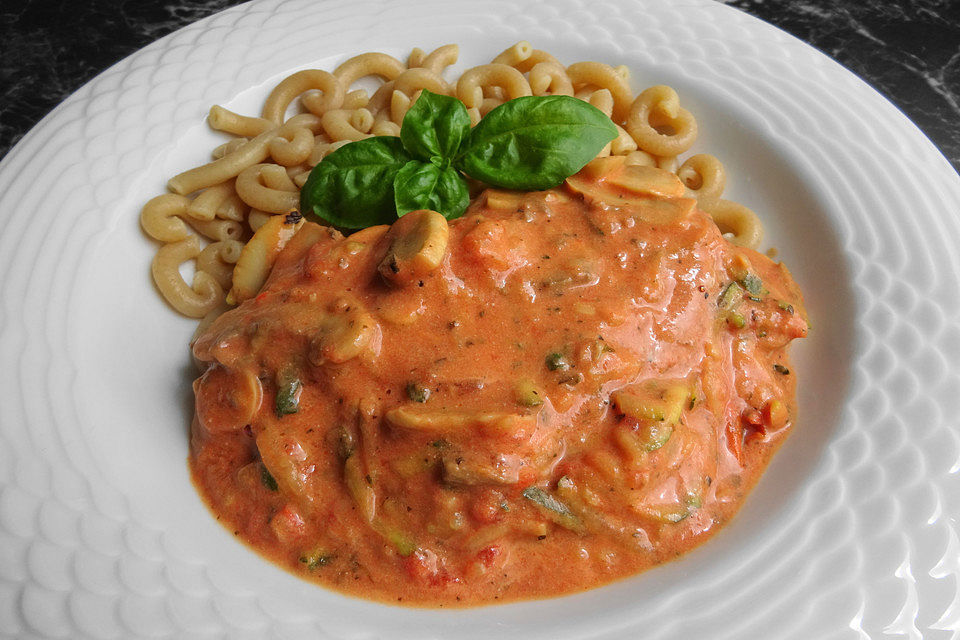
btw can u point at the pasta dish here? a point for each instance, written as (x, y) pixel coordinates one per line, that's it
(556, 389)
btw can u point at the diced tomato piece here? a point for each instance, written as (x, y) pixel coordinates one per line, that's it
(487, 555)
(734, 435)
(425, 567)
(754, 419)
(287, 524)
(422, 566)
(488, 507)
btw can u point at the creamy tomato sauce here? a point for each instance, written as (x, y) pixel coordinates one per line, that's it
(560, 389)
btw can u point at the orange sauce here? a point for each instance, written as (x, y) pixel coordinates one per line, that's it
(586, 386)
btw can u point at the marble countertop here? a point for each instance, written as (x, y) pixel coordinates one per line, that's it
(909, 50)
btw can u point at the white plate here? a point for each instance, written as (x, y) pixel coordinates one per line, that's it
(852, 532)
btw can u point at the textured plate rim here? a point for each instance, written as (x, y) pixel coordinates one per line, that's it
(26, 321)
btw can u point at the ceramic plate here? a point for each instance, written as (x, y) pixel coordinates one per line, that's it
(852, 533)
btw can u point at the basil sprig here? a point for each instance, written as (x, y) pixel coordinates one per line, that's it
(353, 186)
(529, 143)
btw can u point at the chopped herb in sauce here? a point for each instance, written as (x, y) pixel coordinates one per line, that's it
(288, 395)
(346, 443)
(417, 392)
(785, 306)
(557, 362)
(317, 558)
(782, 370)
(268, 480)
(571, 379)
(554, 509)
(753, 284)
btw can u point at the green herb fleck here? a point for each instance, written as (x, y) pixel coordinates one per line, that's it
(557, 362)
(346, 443)
(753, 284)
(782, 370)
(288, 394)
(571, 378)
(417, 392)
(554, 509)
(268, 480)
(316, 559)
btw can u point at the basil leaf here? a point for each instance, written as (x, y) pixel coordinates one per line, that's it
(353, 186)
(535, 142)
(424, 185)
(434, 126)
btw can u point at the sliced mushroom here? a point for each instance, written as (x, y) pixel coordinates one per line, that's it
(227, 399)
(418, 242)
(647, 181)
(463, 469)
(344, 332)
(258, 256)
(360, 487)
(289, 464)
(443, 421)
(611, 179)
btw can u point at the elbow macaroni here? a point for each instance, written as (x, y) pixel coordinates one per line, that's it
(215, 208)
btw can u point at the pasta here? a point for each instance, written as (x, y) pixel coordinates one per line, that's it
(307, 82)
(162, 218)
(472, 82)
(441, 58)
(194, 300)
(656, 107)
(311, 113)
(209, 201)
(267, 187)
(368, 64)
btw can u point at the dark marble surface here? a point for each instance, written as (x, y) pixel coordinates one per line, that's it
(908, 49)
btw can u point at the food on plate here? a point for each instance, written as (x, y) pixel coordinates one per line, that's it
(501, 352)
(212, 210)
